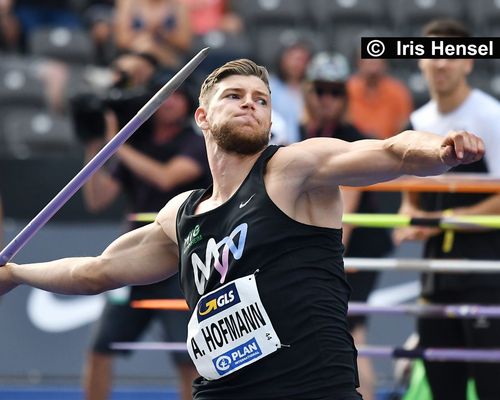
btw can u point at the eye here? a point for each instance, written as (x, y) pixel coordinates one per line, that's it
(233, 96)
(262, 102)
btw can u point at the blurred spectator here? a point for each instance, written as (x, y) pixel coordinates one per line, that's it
(163, 160)
(212, 15)
(21, 18)
(30, 15)
(286, 87)
(98, 16)
(327, 76)
(158, 27)
(379, 105)
(9, 26)
(454, 105)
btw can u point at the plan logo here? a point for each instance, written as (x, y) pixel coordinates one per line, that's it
(217, 256)
(237, 357)
(218, 301)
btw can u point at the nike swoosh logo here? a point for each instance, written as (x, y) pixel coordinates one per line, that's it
(246, 202)
(50, 313)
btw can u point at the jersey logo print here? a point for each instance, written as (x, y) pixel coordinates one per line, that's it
(246, 202)
(202, 269)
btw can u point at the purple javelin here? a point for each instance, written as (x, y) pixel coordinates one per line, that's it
(107, 151)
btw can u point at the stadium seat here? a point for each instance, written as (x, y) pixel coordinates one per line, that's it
(409, 16)
(271, 40)
(346, 38)
(30, 132)
(271, 11)
(483, 16)
(70, 45)
(19, 85)
(223, 47)
(365, 12)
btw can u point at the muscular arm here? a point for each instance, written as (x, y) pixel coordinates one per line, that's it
(145, 255)
(331, 162)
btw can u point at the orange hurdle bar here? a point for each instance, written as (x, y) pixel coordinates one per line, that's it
(454, 183)
(161, 304)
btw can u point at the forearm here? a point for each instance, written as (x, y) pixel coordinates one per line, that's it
(65, 276)
(143, 166)
(419, 153)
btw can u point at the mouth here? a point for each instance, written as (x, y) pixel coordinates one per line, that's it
(247, 116)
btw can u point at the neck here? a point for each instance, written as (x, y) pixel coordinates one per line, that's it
(372, 81)
(228, 171)
(448, 102)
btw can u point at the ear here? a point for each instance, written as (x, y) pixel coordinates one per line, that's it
(200, 116)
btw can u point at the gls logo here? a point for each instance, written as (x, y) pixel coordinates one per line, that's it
(218, 301)
(212, 256)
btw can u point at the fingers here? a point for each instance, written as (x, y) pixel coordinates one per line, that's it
(468, 147)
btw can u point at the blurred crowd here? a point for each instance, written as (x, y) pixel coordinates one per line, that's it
(54, 50)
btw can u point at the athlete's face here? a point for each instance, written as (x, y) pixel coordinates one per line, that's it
(238, 114)
(444, 76)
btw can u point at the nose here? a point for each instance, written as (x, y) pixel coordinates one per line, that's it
(248, 102)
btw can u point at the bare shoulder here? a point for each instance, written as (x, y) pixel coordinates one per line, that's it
(168, 214)
(301, 159)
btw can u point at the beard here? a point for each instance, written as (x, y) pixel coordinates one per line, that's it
(233, 138)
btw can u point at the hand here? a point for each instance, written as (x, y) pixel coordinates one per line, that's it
(461, 147)
(6, 281)
(407, 233)
(400, 235)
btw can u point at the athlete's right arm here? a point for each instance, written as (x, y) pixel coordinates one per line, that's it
(145, 255)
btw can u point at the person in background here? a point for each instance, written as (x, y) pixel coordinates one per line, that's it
(99, 18)
(455, 104)
(379, 105)
(213, 15)
(327, 76)
(286, 87)
(158, 27)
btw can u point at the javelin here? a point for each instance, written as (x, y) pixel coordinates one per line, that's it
(106, 152)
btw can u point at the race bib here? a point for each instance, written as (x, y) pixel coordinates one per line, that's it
(230, 329)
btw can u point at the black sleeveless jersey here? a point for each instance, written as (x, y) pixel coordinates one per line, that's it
(301, 282)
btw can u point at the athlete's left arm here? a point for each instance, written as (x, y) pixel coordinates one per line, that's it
(327, 162)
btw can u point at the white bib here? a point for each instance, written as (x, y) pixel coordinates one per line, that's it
(230, 329)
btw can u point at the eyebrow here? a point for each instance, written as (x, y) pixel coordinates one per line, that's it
(240, 89)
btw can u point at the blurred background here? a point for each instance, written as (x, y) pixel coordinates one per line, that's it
(58, 58)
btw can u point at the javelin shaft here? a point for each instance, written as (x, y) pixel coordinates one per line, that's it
(107, 151)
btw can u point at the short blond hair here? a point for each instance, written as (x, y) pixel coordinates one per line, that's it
(242, 66)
